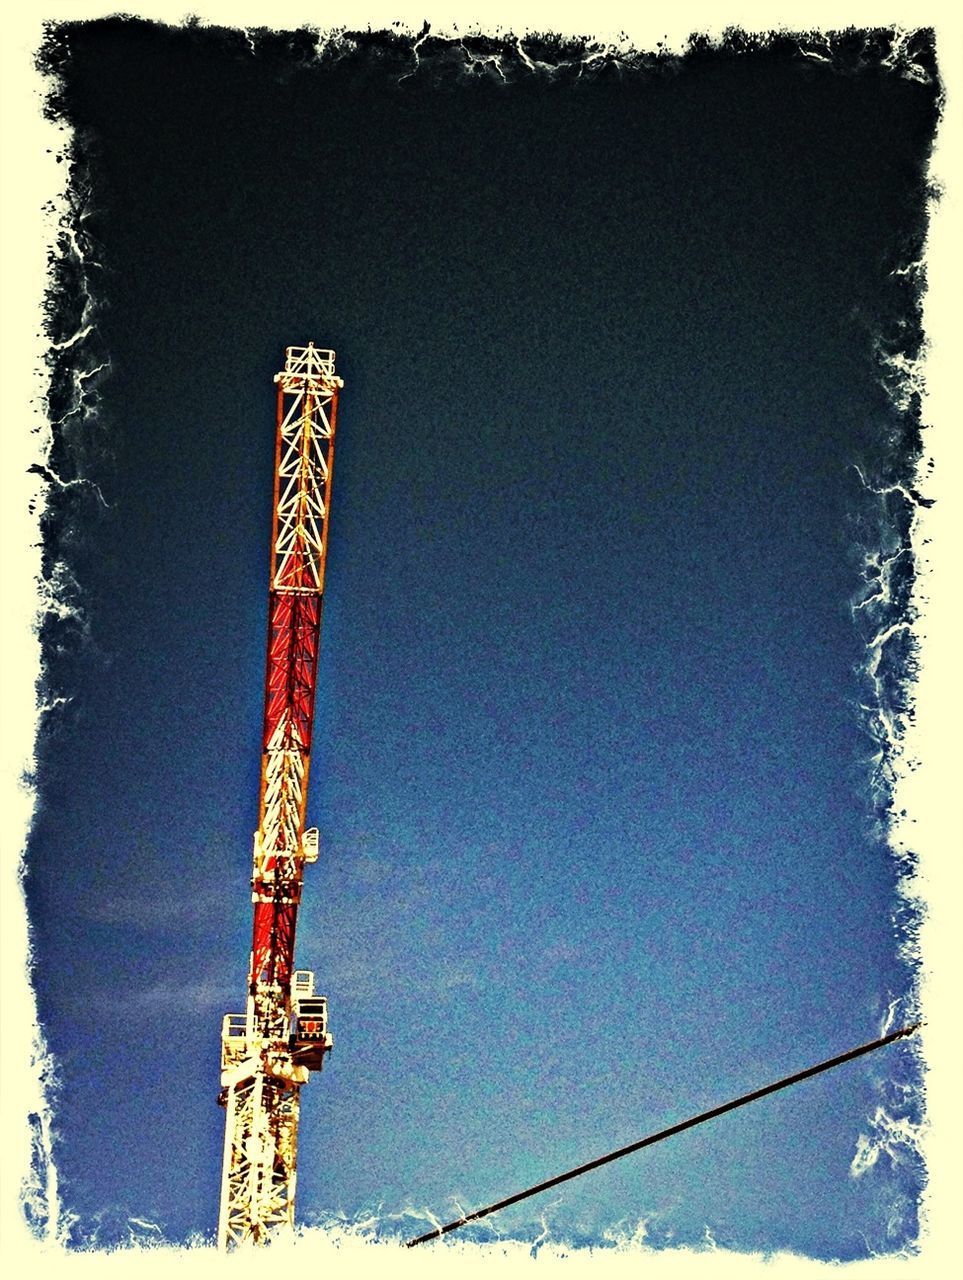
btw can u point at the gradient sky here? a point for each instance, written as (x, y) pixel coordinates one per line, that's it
(598, 825)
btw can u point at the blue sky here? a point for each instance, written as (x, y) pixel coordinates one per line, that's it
(595, 796)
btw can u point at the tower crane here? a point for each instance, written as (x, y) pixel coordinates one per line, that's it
(269, 1051)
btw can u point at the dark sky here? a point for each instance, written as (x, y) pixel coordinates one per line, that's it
(598, 803)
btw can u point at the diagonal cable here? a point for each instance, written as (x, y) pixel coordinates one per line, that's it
(667, 1133)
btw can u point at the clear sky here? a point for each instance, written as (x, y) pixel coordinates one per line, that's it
(600, 835)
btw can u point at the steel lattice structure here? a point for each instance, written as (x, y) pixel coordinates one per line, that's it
(268, 1052)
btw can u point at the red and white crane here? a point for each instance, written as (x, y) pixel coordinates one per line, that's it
(268, 1052)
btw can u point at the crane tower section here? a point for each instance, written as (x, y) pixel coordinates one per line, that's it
(268, 1052)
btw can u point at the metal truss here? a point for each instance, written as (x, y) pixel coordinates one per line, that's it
(307, 401)
(268, 1053)
(279, 857)
(260, 1159)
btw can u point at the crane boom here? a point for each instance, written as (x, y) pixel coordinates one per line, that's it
(268, 1052)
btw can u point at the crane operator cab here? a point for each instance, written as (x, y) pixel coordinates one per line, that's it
(310, 1038)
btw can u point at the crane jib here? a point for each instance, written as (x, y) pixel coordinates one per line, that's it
(269, 1051)
(294, 632)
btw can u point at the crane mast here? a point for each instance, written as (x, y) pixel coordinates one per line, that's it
(268, 1052)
